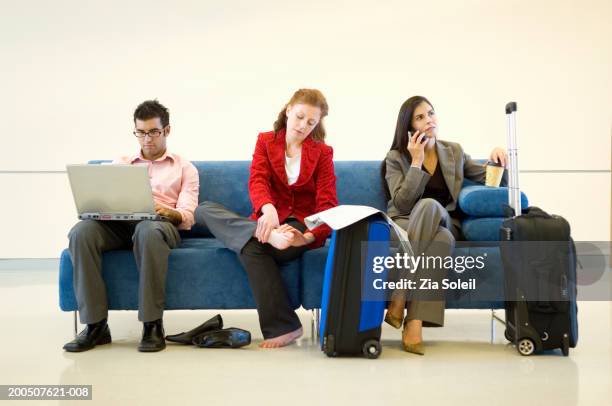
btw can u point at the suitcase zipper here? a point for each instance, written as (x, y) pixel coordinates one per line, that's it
(508, 232)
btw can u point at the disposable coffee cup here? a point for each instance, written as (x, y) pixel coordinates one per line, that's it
(495, 172)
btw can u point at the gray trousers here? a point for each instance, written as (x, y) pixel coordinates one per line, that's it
(430, 232)
(233, 230)
(261, 263)
(151, 242)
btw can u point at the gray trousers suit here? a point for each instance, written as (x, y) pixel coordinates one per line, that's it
(430, 228)
(151, 242)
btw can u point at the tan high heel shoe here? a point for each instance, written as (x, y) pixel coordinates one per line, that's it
(394, 321)
(395, 312)
(415, 348)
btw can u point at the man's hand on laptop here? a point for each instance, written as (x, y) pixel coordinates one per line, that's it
(172, 215)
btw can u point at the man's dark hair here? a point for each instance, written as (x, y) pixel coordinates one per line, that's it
(152, 109)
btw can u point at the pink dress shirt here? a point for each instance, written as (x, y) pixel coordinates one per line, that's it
(174, 181)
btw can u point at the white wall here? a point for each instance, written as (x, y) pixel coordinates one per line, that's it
(71, 73)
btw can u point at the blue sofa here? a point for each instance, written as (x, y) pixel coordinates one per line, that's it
(203, 274)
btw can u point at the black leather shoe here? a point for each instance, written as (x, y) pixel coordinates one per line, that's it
(216, 323)
(92, 335)
(228, 338)
(152, 336)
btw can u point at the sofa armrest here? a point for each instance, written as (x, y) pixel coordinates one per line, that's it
(485, 201)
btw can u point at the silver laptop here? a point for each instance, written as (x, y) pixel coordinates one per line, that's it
(112, 192)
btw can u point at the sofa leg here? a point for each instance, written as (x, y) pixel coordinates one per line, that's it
(492, 326)
(317, 321)
(312, 325)
(75, 323)
(495, 317)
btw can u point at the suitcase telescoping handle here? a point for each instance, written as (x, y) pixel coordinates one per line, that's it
(514, 192)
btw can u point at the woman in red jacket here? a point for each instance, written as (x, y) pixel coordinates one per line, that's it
(292, 176)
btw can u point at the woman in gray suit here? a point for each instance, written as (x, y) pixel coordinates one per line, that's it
(422, 176)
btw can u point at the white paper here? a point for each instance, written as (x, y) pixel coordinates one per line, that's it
(342, 216)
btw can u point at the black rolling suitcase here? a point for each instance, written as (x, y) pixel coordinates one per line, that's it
(539, 261)
(351, 323)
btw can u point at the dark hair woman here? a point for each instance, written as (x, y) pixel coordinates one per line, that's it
(422, 176)
(292, 176)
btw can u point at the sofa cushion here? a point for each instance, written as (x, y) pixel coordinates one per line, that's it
(489, 292)
(485, 201)
(202, 274)
(481, 228)
(359, 182)
(313, 270)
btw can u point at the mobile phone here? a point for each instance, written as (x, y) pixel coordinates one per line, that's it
(423, 140)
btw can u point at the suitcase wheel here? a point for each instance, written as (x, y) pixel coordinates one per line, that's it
(329, 346)
(565, 346)
(525, 346)
(508, 336)
(371, 349)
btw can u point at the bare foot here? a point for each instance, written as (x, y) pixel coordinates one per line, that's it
(280, 241)
(283, 340)
(413, 332)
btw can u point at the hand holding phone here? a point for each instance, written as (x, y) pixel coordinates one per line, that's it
(418, 136)
(416, 147)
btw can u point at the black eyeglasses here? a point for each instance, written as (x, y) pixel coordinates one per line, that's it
(153, 133)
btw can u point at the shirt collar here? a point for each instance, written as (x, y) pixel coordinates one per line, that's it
(138, 157)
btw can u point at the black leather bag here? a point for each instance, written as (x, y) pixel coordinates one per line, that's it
(539, 259)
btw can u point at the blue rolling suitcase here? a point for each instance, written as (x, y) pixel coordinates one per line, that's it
(349, 324)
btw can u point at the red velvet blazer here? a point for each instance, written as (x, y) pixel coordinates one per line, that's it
(314, 190)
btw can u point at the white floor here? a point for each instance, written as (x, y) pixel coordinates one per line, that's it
(461, 366)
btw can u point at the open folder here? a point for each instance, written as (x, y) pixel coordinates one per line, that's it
(344, 215)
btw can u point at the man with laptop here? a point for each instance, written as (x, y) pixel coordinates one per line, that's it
(174, 184)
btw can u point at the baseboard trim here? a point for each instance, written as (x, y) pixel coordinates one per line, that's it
(29, 264)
